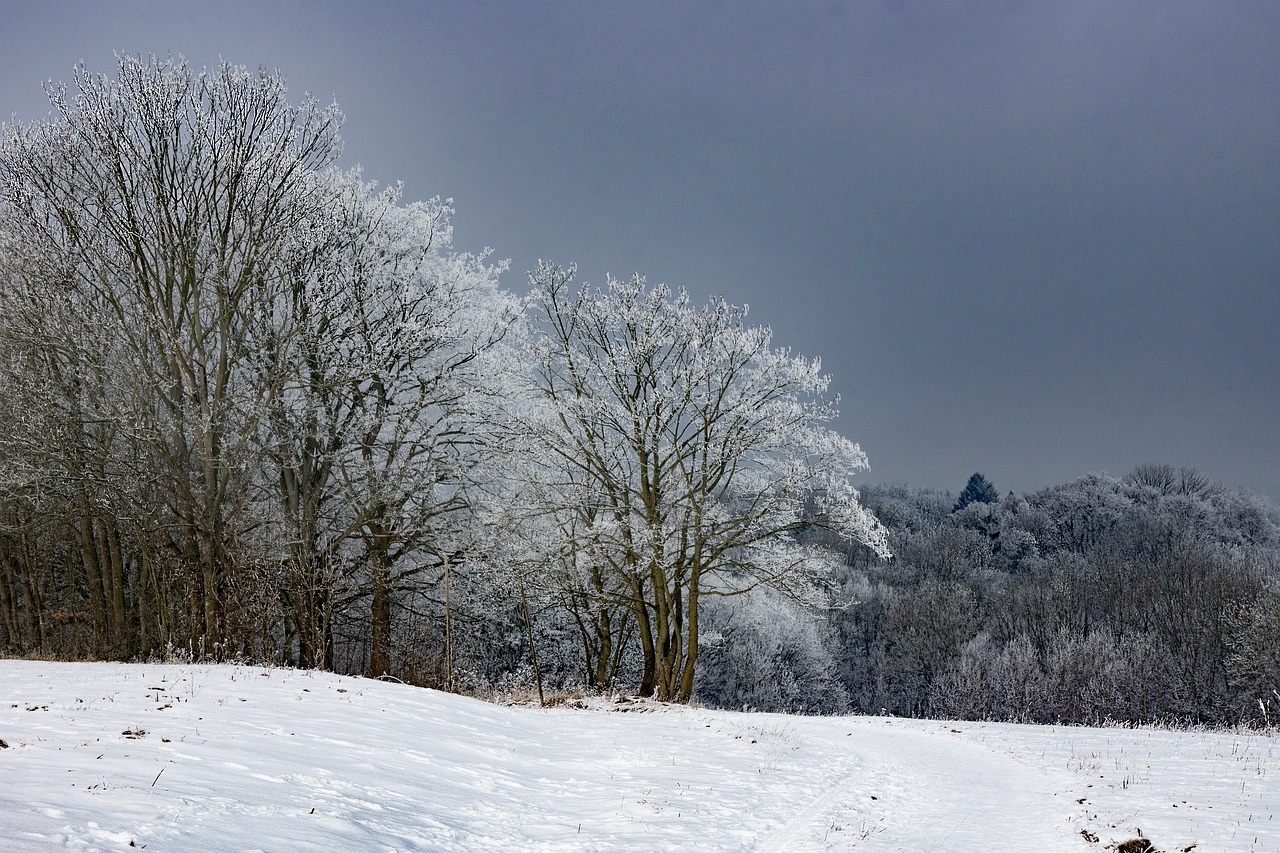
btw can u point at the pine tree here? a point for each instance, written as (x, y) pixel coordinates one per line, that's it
(977, 490)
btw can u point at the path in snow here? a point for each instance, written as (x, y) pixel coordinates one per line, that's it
(922, 790)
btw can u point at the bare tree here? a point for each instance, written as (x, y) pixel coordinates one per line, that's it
(390, 382)
(162, 204)
(688, 453)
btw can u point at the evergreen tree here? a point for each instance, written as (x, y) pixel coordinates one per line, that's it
(977, 490)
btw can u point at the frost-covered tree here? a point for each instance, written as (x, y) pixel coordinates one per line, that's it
(162, 204)
(683, 452)
(1255, 652)
(1137, 598)
(764, 652)
(387, 387)
(255, 388)
(421, 342)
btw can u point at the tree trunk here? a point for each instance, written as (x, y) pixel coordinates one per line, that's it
(11, 639)
(92, 575)
(604, 650)
(112, 565)
(691, 642)
(649, 677)
(380, 624)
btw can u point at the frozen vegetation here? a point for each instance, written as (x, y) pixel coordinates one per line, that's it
(258, 408)
(202, 757)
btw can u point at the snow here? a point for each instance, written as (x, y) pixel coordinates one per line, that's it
(193, 757)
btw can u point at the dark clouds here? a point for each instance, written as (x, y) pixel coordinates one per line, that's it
(1035, 239)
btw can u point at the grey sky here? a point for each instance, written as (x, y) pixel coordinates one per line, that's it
(1031, 239)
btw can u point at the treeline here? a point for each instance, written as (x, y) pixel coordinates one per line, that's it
(1150, 597)
(241, 387)
(257, 409)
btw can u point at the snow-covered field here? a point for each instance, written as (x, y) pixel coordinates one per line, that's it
(189, 758)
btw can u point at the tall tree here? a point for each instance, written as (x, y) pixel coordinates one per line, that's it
(686, 452)
(164, 203)
(388, 399)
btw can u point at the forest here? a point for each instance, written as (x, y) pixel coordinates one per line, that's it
(257, 408)
(1146, 598)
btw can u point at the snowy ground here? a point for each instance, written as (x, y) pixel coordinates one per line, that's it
(191, 758)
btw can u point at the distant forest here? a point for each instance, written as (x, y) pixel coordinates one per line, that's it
(258, 409)
(1149, 597)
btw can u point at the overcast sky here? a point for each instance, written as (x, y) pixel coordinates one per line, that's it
(1030, 239)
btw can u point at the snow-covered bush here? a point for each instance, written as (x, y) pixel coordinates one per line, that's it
(764, 652)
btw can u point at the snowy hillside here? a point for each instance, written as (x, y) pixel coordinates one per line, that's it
(190, 758)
